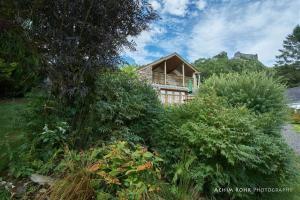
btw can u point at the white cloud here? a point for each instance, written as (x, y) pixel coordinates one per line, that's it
(175, 7)
(200, 4)
(141, 54)
(155, 4)
(255, 27)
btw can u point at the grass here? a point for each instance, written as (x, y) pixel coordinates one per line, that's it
(11, 132)
(296, 128)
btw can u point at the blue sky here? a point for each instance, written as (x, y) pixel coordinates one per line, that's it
(203, 28)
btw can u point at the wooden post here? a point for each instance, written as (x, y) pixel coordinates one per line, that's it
(198, 80)
(165, 72)
(194, 80)
(183, 75)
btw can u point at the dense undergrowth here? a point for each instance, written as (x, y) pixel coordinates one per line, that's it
(134, 148)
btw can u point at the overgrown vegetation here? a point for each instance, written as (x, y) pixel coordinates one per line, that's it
(19, 65)
(258, 91)
(103, 134)
(288, 62)
(225, 146)
(221, 64)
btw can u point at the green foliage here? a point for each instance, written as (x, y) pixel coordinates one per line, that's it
(288, 62)
(78, 50)
(258, 91)
(19, 65)
(225, 145)
(129, 173)
(290, 54)
(125, 107)
(50, 141)
(130, 70)
(182, 185)
(290, 75)
(116, 171)
(220, 64)
(4, 194)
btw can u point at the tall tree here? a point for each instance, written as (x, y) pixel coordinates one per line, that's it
(290, 54)
(77, 39)
(288, 62)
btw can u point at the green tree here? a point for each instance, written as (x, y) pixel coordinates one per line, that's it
(221, 64)
(288, 62)
(290, 54)
(290, 75)
(76, 40)
(19, 64)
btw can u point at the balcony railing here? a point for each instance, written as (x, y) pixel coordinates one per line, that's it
(159, 78)
(169, 99)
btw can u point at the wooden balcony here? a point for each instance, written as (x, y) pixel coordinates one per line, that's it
(171, 99)
(159, 78)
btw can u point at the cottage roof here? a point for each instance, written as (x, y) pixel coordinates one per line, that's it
(167, 58)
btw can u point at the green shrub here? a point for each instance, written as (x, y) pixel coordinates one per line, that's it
(19, 65)
(129, 173)
(228, 148)
(258, 91)
(4, 194)
(118, 170)
(49, 141)
(126, 108)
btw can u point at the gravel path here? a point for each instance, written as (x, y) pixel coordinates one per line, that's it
(291, 137)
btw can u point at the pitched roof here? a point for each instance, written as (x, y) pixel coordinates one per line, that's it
(168, 57)
(293, 94)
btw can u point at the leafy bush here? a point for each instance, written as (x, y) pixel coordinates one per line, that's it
(290, 74)
(225, 145)
(19, 65)
(117, 171)
(130, 70)
(126, 108)
(131, 173)
(49, 141)
(4, 194)
(258, 91)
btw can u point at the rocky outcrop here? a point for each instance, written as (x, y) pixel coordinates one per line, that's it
(239, 55)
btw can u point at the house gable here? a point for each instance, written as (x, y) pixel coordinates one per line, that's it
(160, 62)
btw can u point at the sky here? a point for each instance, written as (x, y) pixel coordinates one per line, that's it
(203, 28)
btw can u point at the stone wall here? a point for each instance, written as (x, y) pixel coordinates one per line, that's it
(146, 74)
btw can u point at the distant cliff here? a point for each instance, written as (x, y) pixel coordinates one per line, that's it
(245, 56)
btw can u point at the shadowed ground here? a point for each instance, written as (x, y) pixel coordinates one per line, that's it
(291, 137)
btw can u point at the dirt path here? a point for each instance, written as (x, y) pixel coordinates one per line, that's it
(291, 137)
